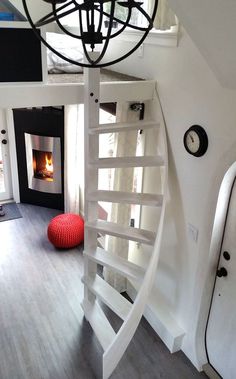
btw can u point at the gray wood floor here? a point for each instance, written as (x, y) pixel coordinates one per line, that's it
(43, 334)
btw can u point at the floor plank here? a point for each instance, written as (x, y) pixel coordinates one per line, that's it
(43, 333)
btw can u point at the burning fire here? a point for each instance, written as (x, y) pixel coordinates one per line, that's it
(48, 165)
(43, 165)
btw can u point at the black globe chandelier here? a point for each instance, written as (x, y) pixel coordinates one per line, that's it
(91, 17)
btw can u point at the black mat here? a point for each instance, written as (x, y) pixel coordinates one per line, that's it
(11, 212)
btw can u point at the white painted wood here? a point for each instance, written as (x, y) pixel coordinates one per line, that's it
(32, 95)
(210, 372)
(114, 353)
(14, 24)
(127, 232)
(6, 190)
(123, 127)
(126, 197)
(221, 327)
(95, 284)
(13, 157)
(98, 321)
(91, 120)
(128, 162)
(37, 95)
(91, 151)
(116, 263)
(160, 318)
(113, 299)
(158, 313)
(128, 91)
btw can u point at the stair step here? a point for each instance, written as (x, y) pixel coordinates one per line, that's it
(126, 197)
(127, 232)
(147, 161)
(116, 263)
(99, 323)
(123, 127)
(113, 299)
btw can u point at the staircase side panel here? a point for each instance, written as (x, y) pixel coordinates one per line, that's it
(116, 350)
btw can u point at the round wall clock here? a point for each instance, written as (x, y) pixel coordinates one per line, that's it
(196, 141)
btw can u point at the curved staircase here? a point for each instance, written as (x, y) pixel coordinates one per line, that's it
(95, 287)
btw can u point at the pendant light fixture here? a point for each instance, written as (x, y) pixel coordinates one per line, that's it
(91, 31)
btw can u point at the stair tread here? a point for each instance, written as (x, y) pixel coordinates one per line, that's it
(118, 264)
(123, 127)
(143, 161)
(126, 197)
(127, 232)
(99, 323)
(112, 298)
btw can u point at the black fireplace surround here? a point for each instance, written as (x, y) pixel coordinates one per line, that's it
(46, 122)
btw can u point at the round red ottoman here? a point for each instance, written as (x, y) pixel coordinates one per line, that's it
(66, 230)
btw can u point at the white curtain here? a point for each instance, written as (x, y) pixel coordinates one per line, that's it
(74, 158)
(125, 145)
(165, 18)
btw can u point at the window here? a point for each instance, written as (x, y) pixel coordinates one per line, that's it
(121, 12)
(162, 34)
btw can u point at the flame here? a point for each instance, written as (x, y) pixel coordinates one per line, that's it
(49, 165)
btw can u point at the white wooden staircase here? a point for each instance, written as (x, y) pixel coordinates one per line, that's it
(95, 287)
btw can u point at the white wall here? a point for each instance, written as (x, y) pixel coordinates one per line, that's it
(211, 25)
(189, 94)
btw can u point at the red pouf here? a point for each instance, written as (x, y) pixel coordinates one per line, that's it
(66, 230)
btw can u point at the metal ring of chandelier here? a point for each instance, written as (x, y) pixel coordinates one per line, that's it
(91, 18)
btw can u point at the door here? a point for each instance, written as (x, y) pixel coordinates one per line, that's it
(221, 328)
(5, 172)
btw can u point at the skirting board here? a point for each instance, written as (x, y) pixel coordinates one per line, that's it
(211, 373)
(162, 322)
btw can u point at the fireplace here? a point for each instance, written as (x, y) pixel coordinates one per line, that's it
(42, 165)
(40, 151)
(43, 155)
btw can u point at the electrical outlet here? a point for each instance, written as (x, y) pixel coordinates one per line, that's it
(193, 232)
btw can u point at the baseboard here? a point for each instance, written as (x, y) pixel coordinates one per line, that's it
(211, 373)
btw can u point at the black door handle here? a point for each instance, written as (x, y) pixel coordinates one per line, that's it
(222, 272)
(226, 255)
(4, 141)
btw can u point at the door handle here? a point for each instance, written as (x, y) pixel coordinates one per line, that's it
(222, 272)
(4, 141)
(226, 255)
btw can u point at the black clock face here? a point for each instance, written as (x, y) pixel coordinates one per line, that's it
(196, 141)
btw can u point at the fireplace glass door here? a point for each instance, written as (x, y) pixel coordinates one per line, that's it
(43, 165)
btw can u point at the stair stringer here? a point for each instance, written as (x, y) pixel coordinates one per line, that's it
(115, 351)
(114, 345)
